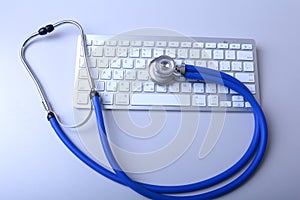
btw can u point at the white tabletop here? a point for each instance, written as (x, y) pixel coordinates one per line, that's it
(36, 165)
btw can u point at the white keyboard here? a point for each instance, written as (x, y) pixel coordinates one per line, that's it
(119, 67)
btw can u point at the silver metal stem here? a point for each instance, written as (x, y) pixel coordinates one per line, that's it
(33, 76)
(36, 81)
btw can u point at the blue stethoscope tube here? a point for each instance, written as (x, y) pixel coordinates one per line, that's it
(248, 162)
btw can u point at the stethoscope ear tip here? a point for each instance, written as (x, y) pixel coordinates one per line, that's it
(47, 29)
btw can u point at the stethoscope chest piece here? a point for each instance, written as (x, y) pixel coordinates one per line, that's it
(162, 70)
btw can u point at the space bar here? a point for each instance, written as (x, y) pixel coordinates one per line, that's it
(155, 99)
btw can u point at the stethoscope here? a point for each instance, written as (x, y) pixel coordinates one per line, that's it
(162, 70)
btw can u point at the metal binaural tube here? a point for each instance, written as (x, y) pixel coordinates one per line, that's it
(33, 76)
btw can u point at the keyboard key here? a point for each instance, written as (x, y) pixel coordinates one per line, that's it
(198, 87)
(237, 98)
(213, 100)
(201, 63)
(82, 73)
(161, 88)
(206, 54)
(111, 86)
(245, 77)
(247, 105)
(218, 54)
(97, 51)
(136, 43)
(111, 42)
(173, 44)
(211, 88)
(251, 87)
(236, 66)
(198, 100)
(127, 63)
(222, 45)
(238, 104)
(83, 84)
(213, 65)
(229, 55)
(148, 43)
(247, 46)
(179, 61)
(157, 99)
(105, 74)
(146, 53)
(92, 62)
(89, 50)
(136, 86)
(100, 85)
(81, 62)
(118, 74)
(224, 65)
(82, 97)
(186, 87)
(194, 53)
(124, 43)
(174, 87)
(109, 51)
(189, 62)
(180, 78)
(234, 46)
(102, 62)
(98, 42)
(244, 55)
(171, 53)
(122, 51)
(134, 52)
(158, 52)
(142, 75)
(148, 87)
(115, 63)
(186, 44)
(248, 66)
(198, 45)
(107, 98)
(226, 104)
(222, 89)
(94, 73)
(122, 99)
(210, 45)
(161, 43)
(182, 53)
(130, 75)
(140, 63)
